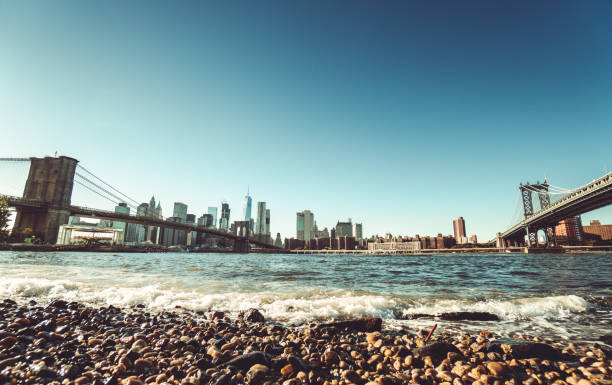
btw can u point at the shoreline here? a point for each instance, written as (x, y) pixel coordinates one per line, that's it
(71, 343)
(145, 249)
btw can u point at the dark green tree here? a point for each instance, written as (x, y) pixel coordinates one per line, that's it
(4, 218)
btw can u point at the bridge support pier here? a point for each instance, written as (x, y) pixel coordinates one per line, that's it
(551, 237)
(44, 223)
(50, 181)
(500, 242)
(241, 229)
(528, 233)
(241, 246)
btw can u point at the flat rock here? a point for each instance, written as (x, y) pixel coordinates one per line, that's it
(453, 316)
(369, 324)
(469, 316)
(410, 316)
(523, 349)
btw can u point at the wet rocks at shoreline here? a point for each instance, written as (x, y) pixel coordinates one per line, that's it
(453, 316)
(70, 343)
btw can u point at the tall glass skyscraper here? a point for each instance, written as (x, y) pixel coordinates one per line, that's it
(260, 224)
(213, 211)
(180, 210)
(225, 216)
(246, 209)
(305, 225)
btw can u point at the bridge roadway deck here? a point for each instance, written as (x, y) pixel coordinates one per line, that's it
(87, 212)
(591, 196)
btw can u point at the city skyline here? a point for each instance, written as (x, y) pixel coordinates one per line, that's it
(426, 107)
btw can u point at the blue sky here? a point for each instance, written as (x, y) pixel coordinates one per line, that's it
(400, 115)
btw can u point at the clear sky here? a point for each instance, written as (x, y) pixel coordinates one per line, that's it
(401, 114)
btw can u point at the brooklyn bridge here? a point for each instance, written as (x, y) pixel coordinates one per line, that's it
(46, 204)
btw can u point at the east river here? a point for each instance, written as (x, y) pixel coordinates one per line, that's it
(560, 297)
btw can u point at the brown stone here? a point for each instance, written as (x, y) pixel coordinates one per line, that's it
(141, 365)
(497, 368)
(352, 377)
(287, 370)
(252, 315)
(8, 341)
(292, 381)
(330, 357)
(83, 380)
(372, 337)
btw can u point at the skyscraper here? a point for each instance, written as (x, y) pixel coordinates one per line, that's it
(213, 211)
(344, 229)
(459, 228)
(122, 208)
(225, 216)
(278, 242)
(260, 222)
(305, 225)
(141, 230)
(152, 231)
(152, 208)
(267, 221)
(358, 231)
(206, 220)
(190, 236)
(180, 211)
(246, 209)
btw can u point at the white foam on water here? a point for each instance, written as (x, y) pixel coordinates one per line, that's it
(554, 307)
(302, 306)
(561, 315)
(285, 306)
(36, 287)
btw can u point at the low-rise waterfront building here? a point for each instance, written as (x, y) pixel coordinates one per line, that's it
(293, 243)
(410, 246)
(569, 231)
(595, 230)
(92, 233)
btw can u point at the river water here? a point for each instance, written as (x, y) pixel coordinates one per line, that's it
(553, 296)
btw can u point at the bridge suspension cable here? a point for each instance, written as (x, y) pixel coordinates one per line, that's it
(94, 191)
(105, 193)
(553, 191)
(117, 199)
(14, 159)
(98, 178)
(562, 189)
(517, 208)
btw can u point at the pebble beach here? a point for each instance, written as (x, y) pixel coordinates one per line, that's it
(60, 342)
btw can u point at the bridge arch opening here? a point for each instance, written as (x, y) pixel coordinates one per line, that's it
(542, 237)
